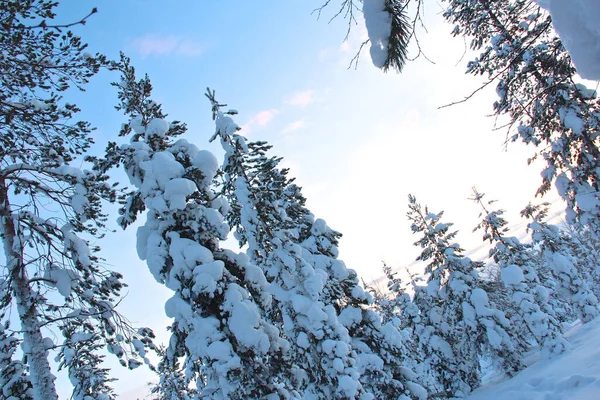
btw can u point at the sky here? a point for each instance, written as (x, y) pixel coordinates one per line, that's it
(357, 140)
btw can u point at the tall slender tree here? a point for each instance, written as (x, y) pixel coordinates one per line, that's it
(230, 351)
(461, 326)
(519, 272)
(318, 301)
(560, 255)
(321, 351)
(50, 209)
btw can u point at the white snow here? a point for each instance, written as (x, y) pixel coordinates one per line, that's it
(157, 127)
(379, 27)
(512, 275)
(577, 22)
(572, 375)
(176, 192)
(206, 162)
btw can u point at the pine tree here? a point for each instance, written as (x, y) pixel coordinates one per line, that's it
(537, 89)
(229, 350)
(79, 355)
(14, 379)
(519, 272)
(556, 249)
(173, 384)
(320, 357)
(49, 209)
(385, 361)
(460, 326)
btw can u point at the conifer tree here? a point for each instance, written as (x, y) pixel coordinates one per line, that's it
(557, 254)
(269, 215)
(229, 350)
(400, 305)
(537, 89)
(519, 272)
(50, 209)
(459, 322)
(79, 355)
(321, 354)
(14, 379)
(173, 384)
(385, 361)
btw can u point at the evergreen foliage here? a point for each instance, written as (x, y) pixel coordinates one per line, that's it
(519, 272)
(229, 350)
(14, 378)
(558, 252)
(49, 209)
(173, 384)
(320, 356)
(459, 325)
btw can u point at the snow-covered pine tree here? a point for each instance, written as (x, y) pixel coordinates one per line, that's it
(299, 255)
(538, 91)
(560, 255)
(519, 265)
(49, 209)
(321, 354)
(399, 304)
(384, 358)
(587, 248)
(460, 325)
(14, 380)
(229, 350)
(172, 383)
(80, 356)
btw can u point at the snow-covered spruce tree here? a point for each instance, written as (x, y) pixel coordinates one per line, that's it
(460, 325)
(80, 357)
(172, 383)
(321, 354)
(519, 266)
(229, 350)
(49, 209)
(560, 254)
(14, 380)
(384, 358)
(587, 249)
(317, 300)
(537, 89)
(399, 302)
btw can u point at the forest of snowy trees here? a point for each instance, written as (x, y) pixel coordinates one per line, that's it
(280, 316)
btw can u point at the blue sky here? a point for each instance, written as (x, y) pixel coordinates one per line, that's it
(357, 140)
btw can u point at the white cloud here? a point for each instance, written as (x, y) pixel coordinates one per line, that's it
(164, 45)
(261, 118)
(264, 117)
(293, 126)
(301, 99)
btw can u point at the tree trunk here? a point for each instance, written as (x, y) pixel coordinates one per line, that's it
(37, 355)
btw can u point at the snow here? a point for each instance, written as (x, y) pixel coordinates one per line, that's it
(62, 279)
(512, 275)
(206, 162)
(577, 22)
(379, 27)
(157, 127)
(572, 375)
(176, 192)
